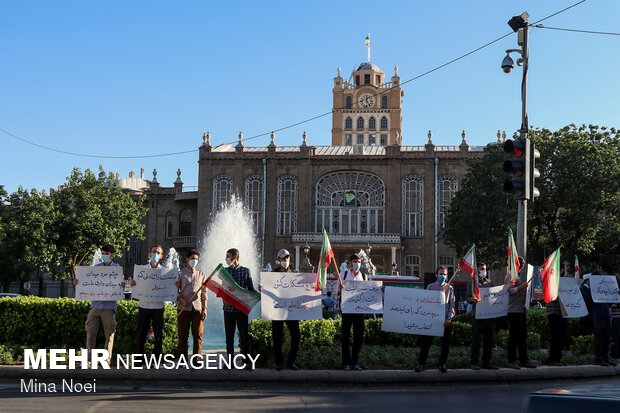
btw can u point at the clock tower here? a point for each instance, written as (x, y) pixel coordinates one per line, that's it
(366, 108)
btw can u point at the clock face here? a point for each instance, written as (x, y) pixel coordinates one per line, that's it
(366, 101)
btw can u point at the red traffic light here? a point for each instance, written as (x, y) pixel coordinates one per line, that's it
(516, 147)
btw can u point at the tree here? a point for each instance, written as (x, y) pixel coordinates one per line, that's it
(579, 206)
(67, 226)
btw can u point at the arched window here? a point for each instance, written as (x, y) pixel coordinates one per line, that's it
(254, 201)
(350, 202)
(384, 102)
(360, 123)
(185, 223)
(372, 123)
(222, 191)
(446, 188)
(413, 206)
(168, 224)
(286, 222)
(348, 123)
(349, 102)
(384, 123)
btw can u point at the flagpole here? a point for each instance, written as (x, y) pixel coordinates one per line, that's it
(337, 272)
(204, 284)
(537, 272)
(454, 275)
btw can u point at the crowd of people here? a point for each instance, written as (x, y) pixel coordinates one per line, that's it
(603, 320)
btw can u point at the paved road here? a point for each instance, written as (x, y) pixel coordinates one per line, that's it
(462, 398)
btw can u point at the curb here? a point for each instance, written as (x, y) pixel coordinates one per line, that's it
(210, 377)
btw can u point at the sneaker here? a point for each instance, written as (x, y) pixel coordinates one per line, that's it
(490, 366)
(292, 366)
(358, 368)
(528, 364)
(347, 368)
(514, 365)
(475, 367)
(419, 368)
(443, 368)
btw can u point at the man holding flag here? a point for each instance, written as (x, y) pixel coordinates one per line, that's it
(517, 324)
(557, 323)
(481, 329)
(192, 304)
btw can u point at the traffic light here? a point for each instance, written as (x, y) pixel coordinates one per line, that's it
(533, 172)
(518, 167)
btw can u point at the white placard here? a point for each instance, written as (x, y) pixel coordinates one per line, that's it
(154, 284)
(290, 296)
(573, 305)
(493, 302)
(99, 283)
(530, 289)
(414, 311)
(362, 297)
(604, 289)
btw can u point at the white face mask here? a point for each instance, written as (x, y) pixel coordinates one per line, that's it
(228, 261)
(482, 273)
(193, 262)
(284, 264)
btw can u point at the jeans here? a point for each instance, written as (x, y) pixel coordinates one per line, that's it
(357, 321)
(445, 346)
(145, 316)
(482, 329)
(184, 320)
(240, 320)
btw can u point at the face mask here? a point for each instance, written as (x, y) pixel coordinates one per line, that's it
(356, 266)
(105, 258)
(154, 257)
(193, 262)
(228, 261)
(441, 279)
(483, 273)
(284, 264)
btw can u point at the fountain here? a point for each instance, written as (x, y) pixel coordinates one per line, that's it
(231, 227)
(171, 260)
(96, 258)
(366, 266)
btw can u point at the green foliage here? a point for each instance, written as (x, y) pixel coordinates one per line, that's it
(582, 345)
(537, 322)
(533, 340)
(502, 338)
(36, 322)
(6, 355)
(461, 334)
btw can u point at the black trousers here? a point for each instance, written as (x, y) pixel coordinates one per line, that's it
(357, 321)
(145, 316)
(240, 320)
(557, 326)
(482, 330)
(445, 346)
(602, 336)
(615, 336)
(517, 337)
(277, 332)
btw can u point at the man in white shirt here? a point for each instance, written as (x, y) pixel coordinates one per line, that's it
(350, 360)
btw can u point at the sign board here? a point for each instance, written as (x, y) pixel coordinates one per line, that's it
(155, 284)
(493, 302)
(99, 283)
(290, 296)
(414, 311)
(362, 297)
(604, 289)
(571, 300)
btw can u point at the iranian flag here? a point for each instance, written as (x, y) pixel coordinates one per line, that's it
(513, 258)
(468, 263)
(368, 40)
(577, 275)
(551, 276)
(225, 286)
(327, 255)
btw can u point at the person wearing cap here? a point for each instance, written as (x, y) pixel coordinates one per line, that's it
(277, 326)
(350, 361)
(102, 312)
(601, 323)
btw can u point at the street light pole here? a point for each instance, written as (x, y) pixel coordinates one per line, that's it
(522, 206)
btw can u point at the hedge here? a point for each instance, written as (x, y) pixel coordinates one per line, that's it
(39, 322)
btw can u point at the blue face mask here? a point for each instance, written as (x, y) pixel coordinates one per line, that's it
(105, 258)
(441, 278)
(154, 257)
(356, 266)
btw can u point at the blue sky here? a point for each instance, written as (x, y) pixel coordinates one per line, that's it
(150, 77)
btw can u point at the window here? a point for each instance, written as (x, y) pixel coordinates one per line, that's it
(447, 262)
(222, 191)
(384, 123)
(378, 80)
(357, 80)
(372, 139)
(360, 123)
(349, 102)
(413, 206)
(367, 79)
(384, 102)
(135, 246)
(185, 223)
(286, 222)
(360, 139)
(254, 201)
(446, 188)
(384, 137)
(168, 224)
(348, 139)
(348, 123)
(412, 266)
(372, 123)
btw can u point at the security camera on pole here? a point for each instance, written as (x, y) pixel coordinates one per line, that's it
(523, 151)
